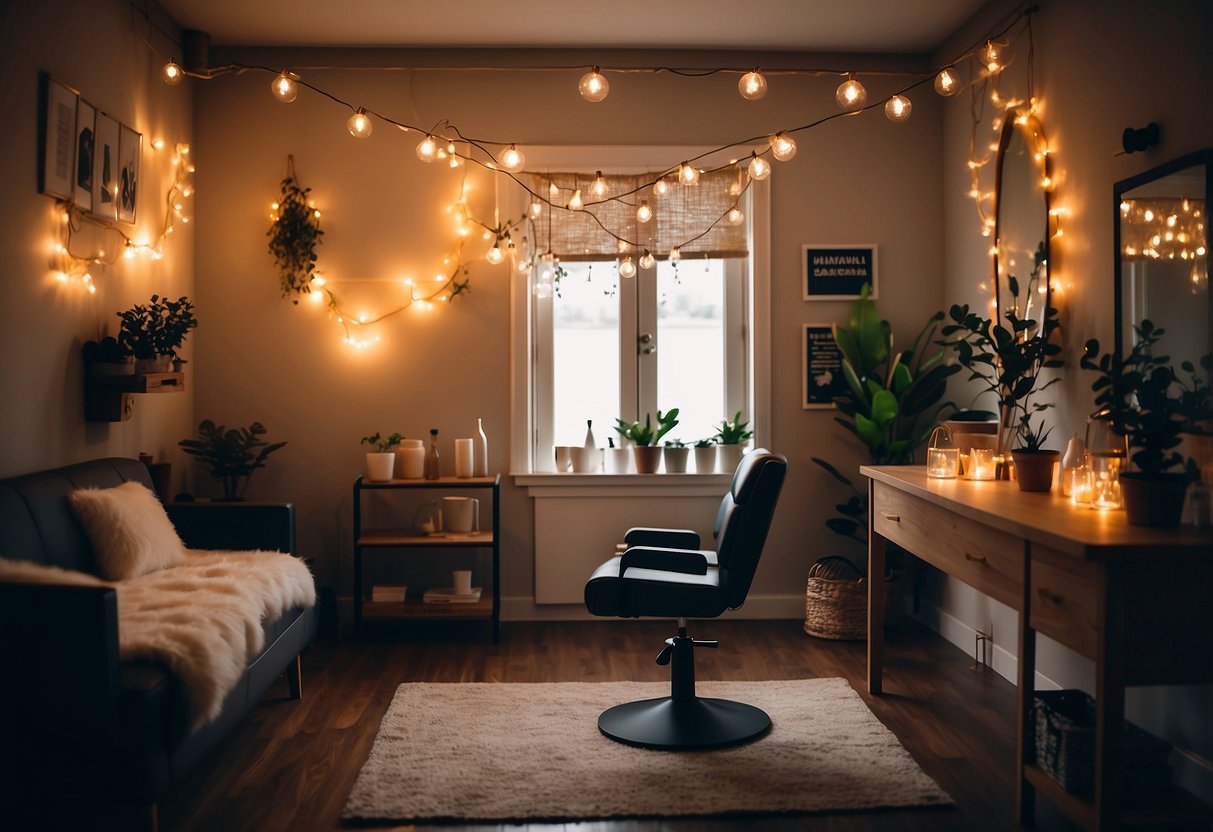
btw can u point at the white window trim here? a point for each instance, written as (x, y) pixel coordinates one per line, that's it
(634, 159)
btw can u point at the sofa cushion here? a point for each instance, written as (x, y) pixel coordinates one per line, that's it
(129, 530)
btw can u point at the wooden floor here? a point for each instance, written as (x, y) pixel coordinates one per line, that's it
(292, 764)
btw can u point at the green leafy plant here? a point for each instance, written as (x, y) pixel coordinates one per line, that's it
(231, 456)
(1146, 401)
(675, 443)
(733, 431)
(1008, 361)
(294, 236)
(382, 444)
(109, 350)
(157, 328)
(645, 435)
(705, 443)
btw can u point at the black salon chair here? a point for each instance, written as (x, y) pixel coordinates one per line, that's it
(664, 573)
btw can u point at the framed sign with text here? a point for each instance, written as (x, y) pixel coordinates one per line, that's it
(822, 377)
(837, 272)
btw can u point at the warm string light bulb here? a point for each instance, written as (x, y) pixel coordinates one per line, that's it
(752, 85)
(359, 124)
(759, 168)
(599, 186)
(661, 187)
(494, 254)
(173, 73)
(593, 86)
(851, 94)
(897, 108)
(688, 174)
(553, 191)
(575, 203)
(782, 147)
(512, 159)
(536, 209)
(627, 269)
(675, 254)
(735, 216)
(284, 87)
(947, 82)
(427, 148)
(644, 213)
(647, 260)
(990, 57)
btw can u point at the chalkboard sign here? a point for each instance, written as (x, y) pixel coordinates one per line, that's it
(823, 379)
(838, 272)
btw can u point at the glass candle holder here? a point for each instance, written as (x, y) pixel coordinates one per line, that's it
(1105, 481)
(1082, 485)
(981, 464)
(943, 457)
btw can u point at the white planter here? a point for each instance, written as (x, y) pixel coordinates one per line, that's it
(676, 460)
(618, 460)
(379, 467)
(728, 457)
(705, 460)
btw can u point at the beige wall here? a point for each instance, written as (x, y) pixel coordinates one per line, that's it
(856, 180)
(93, 48)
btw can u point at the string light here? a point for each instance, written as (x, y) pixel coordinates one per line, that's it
(735, 216)
(426, 149)
(647, 260)
(627, 269)
(536, 209)
(644, 213)
(575, 203)
(512, 158)
(688, 174)
(752, 85)
(284, 87)
(897, 108)
(759, 168)
(675, 254)
(173, 73)
(661, 187)
(359, 124)
(599, 186)
(851, 94)
(494, 255)
(783, 147)
(947, 82)
(593, 86)
(990, 57)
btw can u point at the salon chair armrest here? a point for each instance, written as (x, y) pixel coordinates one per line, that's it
(667, 560)
(664, 538)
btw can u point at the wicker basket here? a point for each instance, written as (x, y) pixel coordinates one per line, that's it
(836, 600)
(1065, 748)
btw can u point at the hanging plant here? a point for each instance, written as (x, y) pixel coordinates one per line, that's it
(294, 236)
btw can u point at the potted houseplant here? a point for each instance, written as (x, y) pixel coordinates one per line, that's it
(231, 456)
(381, 462)
(731, 436)
(107, 357)
(1008, 361)
(705, 455)
(644, 438)
(675, 455)
(154, 332)
(1147, 403)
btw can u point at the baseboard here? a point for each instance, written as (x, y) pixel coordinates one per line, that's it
(764, 607)
(956, 632)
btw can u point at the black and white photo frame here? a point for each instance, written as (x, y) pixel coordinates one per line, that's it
(130, 145)
(59, 139)
(86, 149)
(105, 168)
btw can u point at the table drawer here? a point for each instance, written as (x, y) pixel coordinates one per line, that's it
(1065, 599)
(986, 559)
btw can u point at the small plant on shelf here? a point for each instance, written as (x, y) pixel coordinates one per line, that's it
(705, 443)
(734, 431)
(382, 444)
(107, 357)
(158, 328)
(675, 443)
(231, 456)
(646, 435)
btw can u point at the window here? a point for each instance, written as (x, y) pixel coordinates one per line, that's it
(676, 334)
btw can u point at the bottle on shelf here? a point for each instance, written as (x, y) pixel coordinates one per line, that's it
(482, 450)
(589, 434)
(433, 468)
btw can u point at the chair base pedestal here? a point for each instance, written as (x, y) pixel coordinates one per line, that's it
(683, 724)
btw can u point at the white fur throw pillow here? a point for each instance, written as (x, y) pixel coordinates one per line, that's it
(129, 529)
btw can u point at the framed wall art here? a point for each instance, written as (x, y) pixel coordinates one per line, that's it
(59, 139)
(86, 133)
(837, 272)
(821, 378)
(130, 145)
(105, 168)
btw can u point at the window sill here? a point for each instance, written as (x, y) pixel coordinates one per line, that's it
(622, 485)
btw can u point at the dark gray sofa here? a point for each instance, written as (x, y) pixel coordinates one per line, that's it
(80, 728)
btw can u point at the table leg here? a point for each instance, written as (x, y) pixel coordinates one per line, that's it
(1025, 695)
(876, 596)
(1109, 703)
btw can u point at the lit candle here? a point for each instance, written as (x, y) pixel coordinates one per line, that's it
(1082, 482)
(981, 464)
(463, 457)
(942, 463)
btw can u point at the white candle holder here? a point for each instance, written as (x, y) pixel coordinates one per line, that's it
(943, 457)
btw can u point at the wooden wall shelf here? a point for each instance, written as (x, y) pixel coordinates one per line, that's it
(108, 398)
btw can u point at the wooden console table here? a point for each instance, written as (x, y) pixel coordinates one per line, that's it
(1128, 597)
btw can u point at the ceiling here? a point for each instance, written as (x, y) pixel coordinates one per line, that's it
(878, 26)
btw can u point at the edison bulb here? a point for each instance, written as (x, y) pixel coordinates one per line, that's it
(675, 254)
(512, 158)
(782, 147)
(627, 268)
(494, 255)
(553, 191)
(752, 85)
(661, 187)
(359, 124)
(850, 94)
(599, 186)
(284, 87)
(990, 57)
(647, 260)
(593, 86)
(536, 209)
(688, 174)
(173, 74)
(427, 148)
(644, 213)
(759, 168)
(947, 82)
(898, 108)
(575, 204)
(735, 216)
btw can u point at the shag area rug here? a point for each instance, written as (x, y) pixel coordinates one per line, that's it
(502, 752)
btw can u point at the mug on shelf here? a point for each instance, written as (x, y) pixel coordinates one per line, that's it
(460, 514)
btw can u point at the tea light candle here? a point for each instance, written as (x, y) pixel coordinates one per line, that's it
(981, 464)
(463, 458)
(942, 463)
(1082, 481)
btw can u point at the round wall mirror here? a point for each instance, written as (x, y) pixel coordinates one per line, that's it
(1021, 220)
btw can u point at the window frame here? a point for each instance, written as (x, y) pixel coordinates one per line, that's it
(528, 360)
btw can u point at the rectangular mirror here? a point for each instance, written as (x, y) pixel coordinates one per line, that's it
(1162, 262)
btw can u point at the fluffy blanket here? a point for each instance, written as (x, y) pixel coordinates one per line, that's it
(202, 619)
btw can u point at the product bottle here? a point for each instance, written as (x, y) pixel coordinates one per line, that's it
(482, 450)
(433, 468)
(589, 434)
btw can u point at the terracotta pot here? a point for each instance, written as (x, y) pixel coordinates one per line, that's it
(1156, 500)
(647, 458)
(1034, 469)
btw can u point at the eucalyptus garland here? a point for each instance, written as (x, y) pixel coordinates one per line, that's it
(294, 236)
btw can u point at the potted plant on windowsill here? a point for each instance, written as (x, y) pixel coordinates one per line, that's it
(705, 456)
(381, 463)
(1008, 360)
(676, 455)
(731, 436)
(644, 438)
(1151, 406)
(154, 332)
(230, 455)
